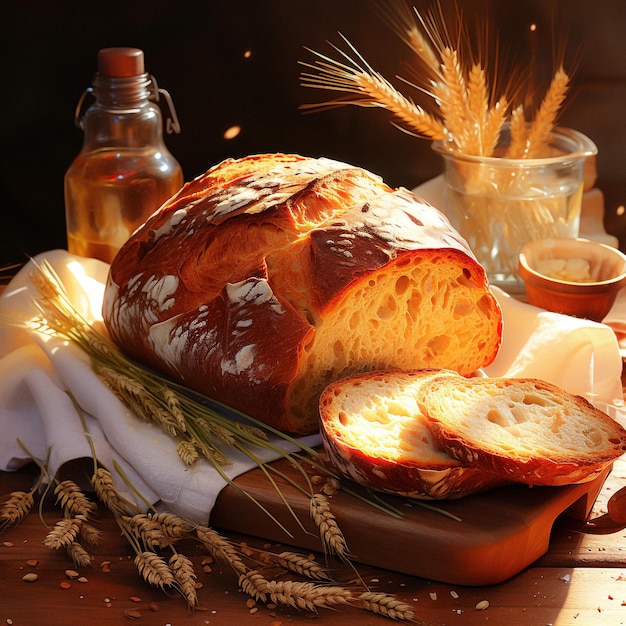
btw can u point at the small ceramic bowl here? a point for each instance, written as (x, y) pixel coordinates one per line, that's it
(577, 277)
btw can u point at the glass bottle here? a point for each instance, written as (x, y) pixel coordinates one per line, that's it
(124, 171)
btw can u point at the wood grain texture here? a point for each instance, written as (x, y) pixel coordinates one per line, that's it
(580, 580)
(502, 530)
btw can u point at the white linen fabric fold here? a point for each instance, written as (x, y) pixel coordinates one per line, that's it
(38, 418)
(578, 355)
(37, 414)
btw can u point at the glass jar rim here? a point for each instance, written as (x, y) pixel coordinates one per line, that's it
(573, 144)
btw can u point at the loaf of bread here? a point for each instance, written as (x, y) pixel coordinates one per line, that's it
(526, 430)
(270, 276)
(375, 434)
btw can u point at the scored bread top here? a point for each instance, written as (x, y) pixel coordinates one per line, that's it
(526, 429)
(270, 276)
(375, 433)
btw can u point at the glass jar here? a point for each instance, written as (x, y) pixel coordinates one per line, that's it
(124, 171)
(499, 204)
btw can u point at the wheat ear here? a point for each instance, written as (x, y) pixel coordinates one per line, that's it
(519, 134)
(15, 508)
(254, 584)
(184, 574)
(220, 549)
(154, 570)
(78, 554)
(332, 538)
(188, 452)
(90, 534)
(102, 483)
(64, 533)
(453, 100)
(386, 605)
(412, 29)
(478, 105)
(306, 596)
(73, 500)
(134, 394)
(157, 530)
(301, 565)
(372, 90)
(493, 126)
(545, 118)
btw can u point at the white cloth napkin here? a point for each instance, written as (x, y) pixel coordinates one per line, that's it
(578, 355)
(616, 319)
(36, 411)
(35, 374)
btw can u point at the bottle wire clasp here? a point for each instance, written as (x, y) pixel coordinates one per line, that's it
(79, 112)
(172, 125)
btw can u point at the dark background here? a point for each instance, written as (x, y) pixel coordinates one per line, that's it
(196, 50)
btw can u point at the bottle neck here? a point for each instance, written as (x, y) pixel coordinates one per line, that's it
(128, 94)
(122, 93)
(123, 115)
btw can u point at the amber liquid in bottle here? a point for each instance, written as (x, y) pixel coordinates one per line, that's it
(124, 171)
(110, 195)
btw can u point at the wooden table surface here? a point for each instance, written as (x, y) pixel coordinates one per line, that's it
(580, 581)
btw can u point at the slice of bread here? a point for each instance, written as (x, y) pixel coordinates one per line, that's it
(524, 429)
(376, 435)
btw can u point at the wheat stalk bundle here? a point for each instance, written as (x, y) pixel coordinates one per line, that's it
(466, 110)
(468, 116)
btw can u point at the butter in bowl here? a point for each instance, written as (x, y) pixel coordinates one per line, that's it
(577, 277)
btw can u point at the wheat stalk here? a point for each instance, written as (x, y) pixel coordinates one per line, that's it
(64, 533)
(91, 534)
(304, 566)
(154, 570)
(545, 118)
(148, 533)
(73, 500)
(184, 574)
(157, 529)
(102, 482)
(462, 115)
(221, 549)
(16, 507)
(384, 604)
(332, 538)
(192, 418)
(79, 554)
(372, 90)
(254, 584)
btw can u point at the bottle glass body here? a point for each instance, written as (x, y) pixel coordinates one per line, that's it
(123, 174)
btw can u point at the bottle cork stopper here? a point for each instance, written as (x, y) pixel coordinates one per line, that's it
(120, 62)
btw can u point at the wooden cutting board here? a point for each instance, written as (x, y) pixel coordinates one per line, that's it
(501, 531)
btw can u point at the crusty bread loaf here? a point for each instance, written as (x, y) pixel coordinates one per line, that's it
(270, 276)
(375, 434)
(524, 429)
